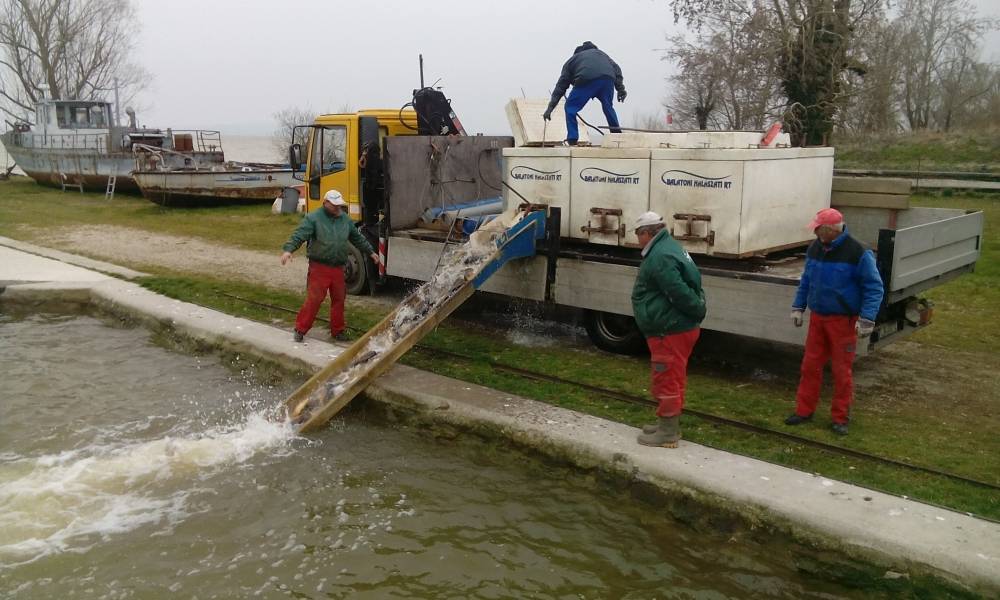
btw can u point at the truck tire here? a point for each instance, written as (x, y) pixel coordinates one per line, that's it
(614, 333)
(356, 271)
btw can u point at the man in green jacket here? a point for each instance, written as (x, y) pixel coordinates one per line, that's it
(326, 232)
(669, 306)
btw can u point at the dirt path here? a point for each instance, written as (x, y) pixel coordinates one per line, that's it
(143, 250)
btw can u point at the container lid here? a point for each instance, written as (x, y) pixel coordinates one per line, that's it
(538, 151)
(691, 139)
(739, 154)
(600, 152)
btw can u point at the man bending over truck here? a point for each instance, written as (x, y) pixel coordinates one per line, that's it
(842, 288)
(669, 306)
(326, 232)
(593, 75)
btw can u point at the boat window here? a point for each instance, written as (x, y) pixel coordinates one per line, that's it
(97, 116)
(80, 116)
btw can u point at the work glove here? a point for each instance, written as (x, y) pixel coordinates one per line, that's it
(547, 115)
(621, 95)
(797, 316)
(864, 327)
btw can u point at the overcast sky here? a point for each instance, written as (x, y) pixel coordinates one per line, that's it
(230, 65)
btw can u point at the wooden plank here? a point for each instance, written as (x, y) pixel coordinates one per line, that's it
(380, 363)
(525, 118)
(871, 185)
(865, 200)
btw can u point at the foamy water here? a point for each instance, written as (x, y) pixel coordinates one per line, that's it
(72, 499)
(128, 471)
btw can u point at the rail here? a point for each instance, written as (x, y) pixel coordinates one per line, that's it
(61, 141)
(204, 140)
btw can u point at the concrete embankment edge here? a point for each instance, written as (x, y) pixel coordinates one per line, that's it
(894, 533)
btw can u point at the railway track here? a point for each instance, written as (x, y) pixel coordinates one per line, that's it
(709, 417)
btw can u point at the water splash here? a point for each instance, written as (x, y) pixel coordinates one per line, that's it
(73, 499)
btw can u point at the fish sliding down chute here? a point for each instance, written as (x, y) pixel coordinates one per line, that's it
(463, 269)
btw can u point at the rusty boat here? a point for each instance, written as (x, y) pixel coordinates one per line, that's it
(77, 143)
(194, 183)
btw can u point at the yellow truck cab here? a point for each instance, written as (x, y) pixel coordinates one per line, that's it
(343, 153)
(338, 152)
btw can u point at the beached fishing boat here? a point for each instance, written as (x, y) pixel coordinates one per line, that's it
(200, 185)
(76, 143)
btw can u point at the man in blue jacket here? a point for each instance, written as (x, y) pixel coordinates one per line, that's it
(842, 288)
(593, 75)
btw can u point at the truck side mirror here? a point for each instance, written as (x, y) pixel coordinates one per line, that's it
(295, 157)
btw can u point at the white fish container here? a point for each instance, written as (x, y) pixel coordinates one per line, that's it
(740, 202)
(542, 176)
(609, 190)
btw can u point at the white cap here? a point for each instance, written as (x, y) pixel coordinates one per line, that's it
(335, 198)
(646, 219)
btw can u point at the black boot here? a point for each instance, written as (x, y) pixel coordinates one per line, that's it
(795, 419)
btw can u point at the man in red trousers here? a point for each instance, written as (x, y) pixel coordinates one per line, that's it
(843, 290)
(669, 306)
(326, 232)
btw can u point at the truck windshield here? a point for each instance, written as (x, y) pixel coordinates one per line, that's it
(329, 150)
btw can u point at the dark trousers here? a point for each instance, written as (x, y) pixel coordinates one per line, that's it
(604, 90)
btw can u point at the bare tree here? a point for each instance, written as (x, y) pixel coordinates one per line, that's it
(287, 119)
(694, 99)
(727, 75)
(811, 40)
(78, 49)
(942, 38)
(869, 96)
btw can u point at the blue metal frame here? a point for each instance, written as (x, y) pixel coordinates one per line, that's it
(516, 242)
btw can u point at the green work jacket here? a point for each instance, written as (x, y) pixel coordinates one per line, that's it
(667, 296)
(326, 237)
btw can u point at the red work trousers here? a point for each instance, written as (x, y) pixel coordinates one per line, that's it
(668, 368)
(322, 279)
(831, 338)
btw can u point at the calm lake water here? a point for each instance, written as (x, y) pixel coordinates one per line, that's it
(131, 471)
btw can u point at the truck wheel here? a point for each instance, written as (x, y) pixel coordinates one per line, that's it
(614, 333)
(355, 271)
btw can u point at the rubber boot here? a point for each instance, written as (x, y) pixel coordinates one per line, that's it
(650, 427)
(667, 434)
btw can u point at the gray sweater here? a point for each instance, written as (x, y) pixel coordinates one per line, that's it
(587, 64)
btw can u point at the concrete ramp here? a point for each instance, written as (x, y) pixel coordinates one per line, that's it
(462, 270)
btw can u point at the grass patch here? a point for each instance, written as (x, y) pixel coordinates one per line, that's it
(762, 392)
(924, 151)
(24, 203)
